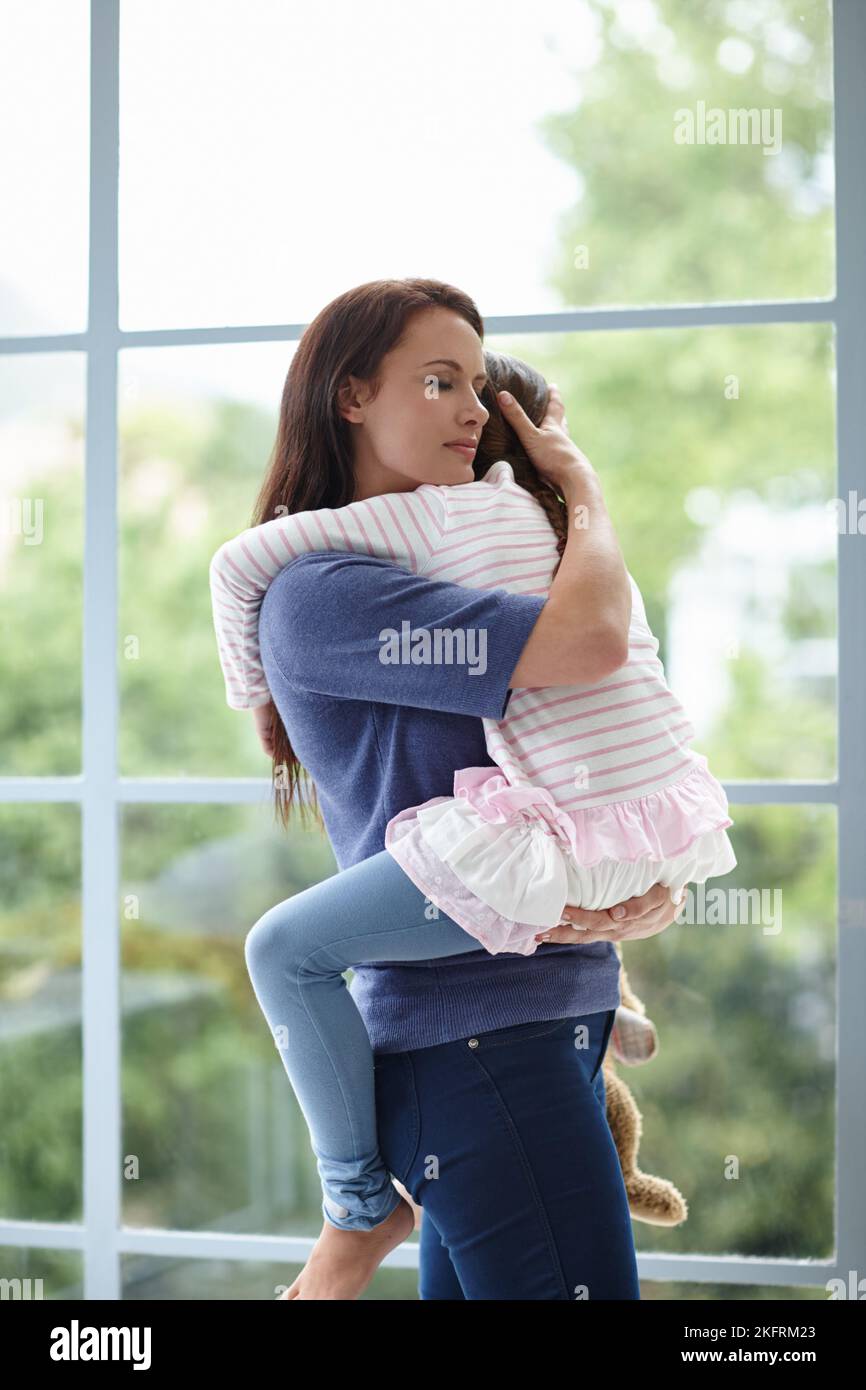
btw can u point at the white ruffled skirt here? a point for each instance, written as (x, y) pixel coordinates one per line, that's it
(504, 861)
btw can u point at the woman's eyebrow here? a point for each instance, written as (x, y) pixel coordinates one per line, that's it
(449, 362)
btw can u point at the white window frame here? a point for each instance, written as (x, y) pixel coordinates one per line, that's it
(101, 792)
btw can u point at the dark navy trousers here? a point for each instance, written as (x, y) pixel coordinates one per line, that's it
(502, 1138)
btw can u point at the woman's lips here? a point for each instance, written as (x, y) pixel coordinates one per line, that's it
(463, 449)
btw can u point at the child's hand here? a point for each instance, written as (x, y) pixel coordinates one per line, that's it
(262, 717)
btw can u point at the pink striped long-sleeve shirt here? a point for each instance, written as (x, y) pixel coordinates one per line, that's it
(587, 744)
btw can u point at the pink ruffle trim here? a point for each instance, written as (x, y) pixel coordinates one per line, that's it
(660, 826)
(657, 826)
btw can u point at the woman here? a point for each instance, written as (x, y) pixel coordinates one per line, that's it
(489, 1108)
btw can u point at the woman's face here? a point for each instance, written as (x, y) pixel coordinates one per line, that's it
(428, 397)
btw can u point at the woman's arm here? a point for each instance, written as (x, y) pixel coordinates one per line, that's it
(582, 633)
(404, 527)
(633, 919)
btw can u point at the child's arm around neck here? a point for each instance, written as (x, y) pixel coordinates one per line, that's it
(404, 527)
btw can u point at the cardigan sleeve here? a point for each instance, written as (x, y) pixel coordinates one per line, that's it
(330, 624)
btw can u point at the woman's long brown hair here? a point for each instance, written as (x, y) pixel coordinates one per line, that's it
(311, 463)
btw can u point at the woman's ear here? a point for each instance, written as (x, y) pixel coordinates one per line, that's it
(351, 396)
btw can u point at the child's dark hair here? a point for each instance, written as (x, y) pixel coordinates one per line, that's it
(499, 441)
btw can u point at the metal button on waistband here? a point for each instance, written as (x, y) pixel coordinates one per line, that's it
(473, 1042)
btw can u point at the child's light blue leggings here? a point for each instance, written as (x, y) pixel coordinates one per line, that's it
(296, 954)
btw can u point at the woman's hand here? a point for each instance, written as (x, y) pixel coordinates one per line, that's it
(551, 451)
(644, 916)
(262, 717)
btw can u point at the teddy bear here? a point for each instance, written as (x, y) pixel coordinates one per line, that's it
(633, 1041)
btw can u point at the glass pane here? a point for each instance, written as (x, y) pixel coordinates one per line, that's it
(44, 166)
(37, 1273)
(716, 452)
(40, 1020)
(196, 428)
(41, 563)
(739, 1104)
(558, 137)
(745, 1009)
(208, 1108)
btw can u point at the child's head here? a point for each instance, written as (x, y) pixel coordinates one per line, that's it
(499, 441)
